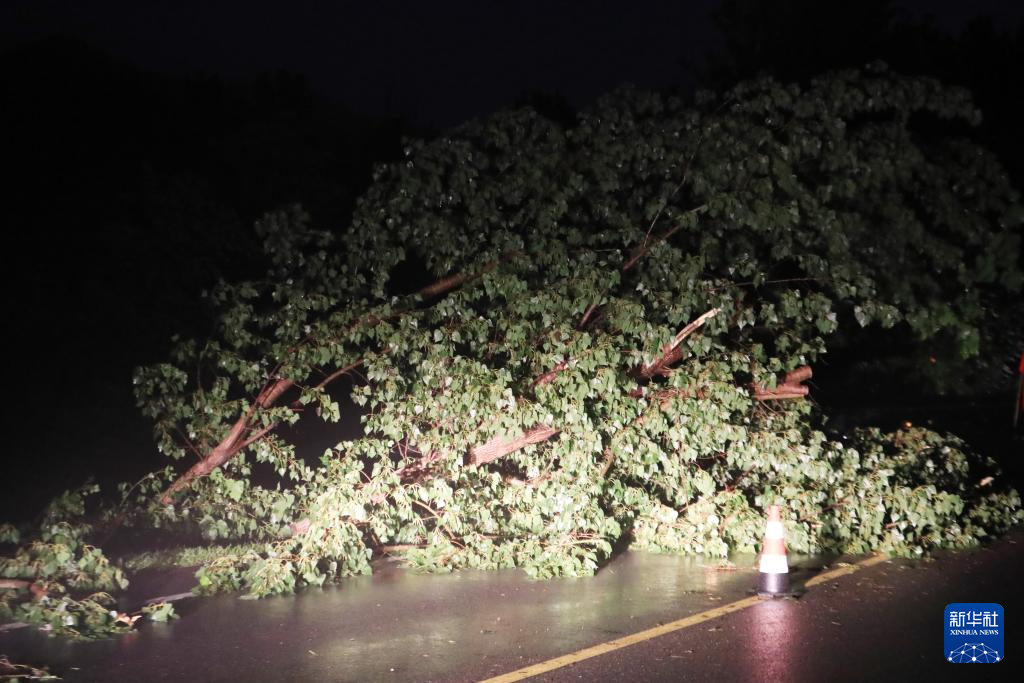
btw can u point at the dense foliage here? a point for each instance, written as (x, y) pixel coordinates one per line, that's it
(596, 364)
(57, 580)
(574, 258)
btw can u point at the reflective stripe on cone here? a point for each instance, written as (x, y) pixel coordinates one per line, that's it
(773, 579)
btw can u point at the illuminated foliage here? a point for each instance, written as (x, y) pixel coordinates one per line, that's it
(56, 579)
(545, 399)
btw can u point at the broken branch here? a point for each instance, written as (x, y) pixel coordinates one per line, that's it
(789, 388)
(500, 446)
(671, 352)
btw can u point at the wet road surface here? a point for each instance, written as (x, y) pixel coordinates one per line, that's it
(883, 622)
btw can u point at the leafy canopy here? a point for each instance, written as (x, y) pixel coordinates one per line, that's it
(537, 406)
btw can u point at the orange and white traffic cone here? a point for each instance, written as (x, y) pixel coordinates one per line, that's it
(773, 580)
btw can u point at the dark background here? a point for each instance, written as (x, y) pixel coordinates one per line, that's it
(142, 139)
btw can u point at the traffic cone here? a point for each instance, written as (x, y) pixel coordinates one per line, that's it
(773, 580)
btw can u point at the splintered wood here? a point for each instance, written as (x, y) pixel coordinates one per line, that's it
(790, 387)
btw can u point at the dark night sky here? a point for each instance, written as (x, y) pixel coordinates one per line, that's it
(436, 62)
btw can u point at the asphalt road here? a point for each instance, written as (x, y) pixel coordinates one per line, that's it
(883, 622)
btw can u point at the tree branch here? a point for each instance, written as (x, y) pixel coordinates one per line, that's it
(227, 447)
(552, 373)
(671, 351)
(789, 388)
(233, 442)
(646, 246)
(447, 284)
(500, 446)
(339, 373)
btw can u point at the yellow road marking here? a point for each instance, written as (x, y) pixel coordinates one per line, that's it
(678, 625)
(843, 571)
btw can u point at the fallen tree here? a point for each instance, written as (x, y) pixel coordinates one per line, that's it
(616, 346)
